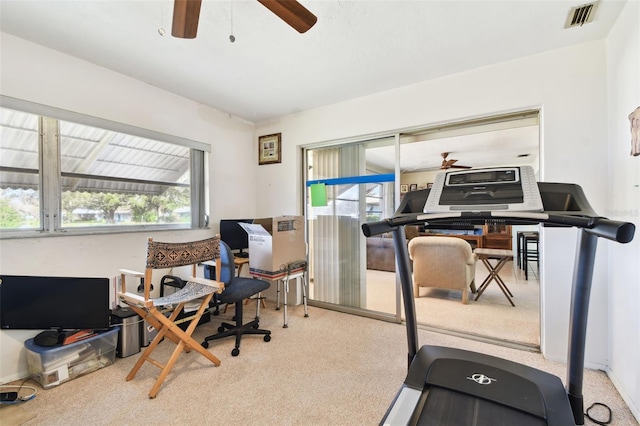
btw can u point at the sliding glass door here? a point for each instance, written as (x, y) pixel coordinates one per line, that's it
(342, 193)
(356, 182)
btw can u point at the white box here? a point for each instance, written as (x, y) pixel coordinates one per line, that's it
(274, 243)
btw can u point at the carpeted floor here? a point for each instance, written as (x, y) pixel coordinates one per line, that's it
(491, 316)
(329, 369)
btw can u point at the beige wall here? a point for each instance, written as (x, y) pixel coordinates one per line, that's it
(623, 88)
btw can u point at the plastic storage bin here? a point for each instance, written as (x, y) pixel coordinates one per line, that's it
(51, 366)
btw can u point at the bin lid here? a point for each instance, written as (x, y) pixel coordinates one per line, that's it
(125, 312)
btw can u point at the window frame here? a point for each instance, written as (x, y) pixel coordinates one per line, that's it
(50, 173)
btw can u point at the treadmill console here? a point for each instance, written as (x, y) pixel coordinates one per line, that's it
(491, 189)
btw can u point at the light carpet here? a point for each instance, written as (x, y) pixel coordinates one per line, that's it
(491, 316)
(329, 369)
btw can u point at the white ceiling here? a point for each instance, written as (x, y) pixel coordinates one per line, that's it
(505, 147)
(356, 48)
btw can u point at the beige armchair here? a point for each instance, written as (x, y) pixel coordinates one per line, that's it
(443, 262)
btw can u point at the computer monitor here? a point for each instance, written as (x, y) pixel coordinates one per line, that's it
(235, 237)
(58, 303)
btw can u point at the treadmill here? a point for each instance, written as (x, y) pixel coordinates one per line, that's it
(447, 386)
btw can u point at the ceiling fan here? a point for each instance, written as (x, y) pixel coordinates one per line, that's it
(187, 12)
(450, 164)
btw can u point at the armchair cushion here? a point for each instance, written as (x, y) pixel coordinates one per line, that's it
(443, 262)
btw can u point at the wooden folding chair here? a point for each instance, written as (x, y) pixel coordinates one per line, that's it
(171, 255)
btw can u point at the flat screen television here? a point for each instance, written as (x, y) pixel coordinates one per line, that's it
(54, 303)
(233, 234)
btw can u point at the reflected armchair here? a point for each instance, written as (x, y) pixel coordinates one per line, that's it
(443, 262)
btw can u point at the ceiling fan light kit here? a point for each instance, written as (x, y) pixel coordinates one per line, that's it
(186, 14)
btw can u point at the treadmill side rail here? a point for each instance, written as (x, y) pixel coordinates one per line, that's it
(403, 407)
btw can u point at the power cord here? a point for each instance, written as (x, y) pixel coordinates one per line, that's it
(11, 394)
(596, 421)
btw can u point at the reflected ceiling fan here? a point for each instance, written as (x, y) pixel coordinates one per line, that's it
(187, 12)
(450, 164)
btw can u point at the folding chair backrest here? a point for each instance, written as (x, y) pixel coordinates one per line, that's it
(161, 255)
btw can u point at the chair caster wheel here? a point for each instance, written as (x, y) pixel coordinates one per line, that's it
(205, 344)
(267, 337)
(220, 329)
(306, 315)
(235, 352)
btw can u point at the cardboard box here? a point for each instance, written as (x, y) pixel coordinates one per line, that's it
(274, 243)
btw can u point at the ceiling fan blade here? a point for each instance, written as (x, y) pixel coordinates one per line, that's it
(291, 12)
(185, 18)
(460, 167)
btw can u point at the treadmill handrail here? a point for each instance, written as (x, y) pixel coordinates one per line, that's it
(621, 232)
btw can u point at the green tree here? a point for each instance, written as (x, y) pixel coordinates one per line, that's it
(72, 200)
(9, 217)
(139, 206)
(170, 200)
(108, 203)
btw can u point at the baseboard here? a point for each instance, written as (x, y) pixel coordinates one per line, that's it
(635, 410)
(20, 375)
(480, 338)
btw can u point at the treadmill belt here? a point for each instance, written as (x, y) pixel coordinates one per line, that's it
(445, 407)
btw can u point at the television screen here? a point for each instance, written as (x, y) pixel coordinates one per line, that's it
(233, 234)
(60, 303)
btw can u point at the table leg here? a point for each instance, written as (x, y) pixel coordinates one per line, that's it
(486, 281)
(493, 275)
(286, 291)
(304, 294)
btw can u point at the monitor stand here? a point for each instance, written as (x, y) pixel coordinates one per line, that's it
(49, 338)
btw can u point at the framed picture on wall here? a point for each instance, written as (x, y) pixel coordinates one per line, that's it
(404, 187)
(413, 187)
(269, 149)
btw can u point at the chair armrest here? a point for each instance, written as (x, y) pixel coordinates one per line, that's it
(472, 259)
(204, 281)
(135, 299)
(131, 272)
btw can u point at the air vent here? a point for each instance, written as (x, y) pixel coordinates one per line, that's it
(580, 15)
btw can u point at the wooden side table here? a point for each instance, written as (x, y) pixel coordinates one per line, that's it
(502, 256)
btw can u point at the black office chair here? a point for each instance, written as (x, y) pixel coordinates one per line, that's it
(236, 289)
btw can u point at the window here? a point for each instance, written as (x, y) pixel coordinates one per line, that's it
(19, 163)
(59, 175)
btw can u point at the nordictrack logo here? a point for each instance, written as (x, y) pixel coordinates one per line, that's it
(481, 379)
